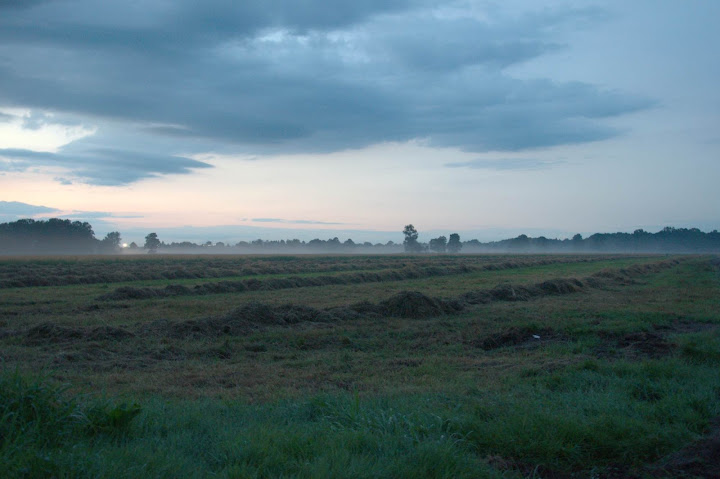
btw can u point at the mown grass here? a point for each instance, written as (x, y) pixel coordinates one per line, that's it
(67, 270)
(619, 378)
(65, 304)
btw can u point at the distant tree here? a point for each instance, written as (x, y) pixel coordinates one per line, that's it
(133, 245)
(454, 245)
(411, 240)
(316, 243)
(577, 241)
(349, 243)
(111, 242)
(521, 242)
(439, 244)
(152, 243)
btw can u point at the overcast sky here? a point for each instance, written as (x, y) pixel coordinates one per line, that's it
(316, 118)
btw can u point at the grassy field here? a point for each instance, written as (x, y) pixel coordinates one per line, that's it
(377, 366)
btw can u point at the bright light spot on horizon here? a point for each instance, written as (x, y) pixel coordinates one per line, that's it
(124, 245)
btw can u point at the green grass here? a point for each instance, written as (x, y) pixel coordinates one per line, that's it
(37, 422)
(372, 397)
(584, 418)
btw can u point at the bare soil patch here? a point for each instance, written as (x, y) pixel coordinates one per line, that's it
(701, 459)
(642, 344)
(646, 344)
(517, 337)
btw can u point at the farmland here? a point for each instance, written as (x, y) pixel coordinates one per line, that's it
(361, 366)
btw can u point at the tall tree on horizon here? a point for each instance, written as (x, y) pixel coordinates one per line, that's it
(152, 243)
(411, 239)
(454, 245)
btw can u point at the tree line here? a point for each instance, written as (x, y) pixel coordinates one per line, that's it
(57, 236)
(667, 240)
(54, 236)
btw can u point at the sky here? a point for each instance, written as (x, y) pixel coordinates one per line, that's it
(226, 121)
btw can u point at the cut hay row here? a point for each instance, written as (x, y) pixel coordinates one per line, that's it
(406, 304)
(272, 284)
(34, 274)
(19, 273)
(22, 273)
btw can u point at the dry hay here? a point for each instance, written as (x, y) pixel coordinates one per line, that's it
(406, 304)
(411, 304)
(270, 284)
(561, 286)
(509, 292)
(250, 317)
(53, 333)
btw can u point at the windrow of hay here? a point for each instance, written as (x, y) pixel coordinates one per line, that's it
(55, 272)
(406, 304)
(52, 333)
(271, 284)
(21, 272)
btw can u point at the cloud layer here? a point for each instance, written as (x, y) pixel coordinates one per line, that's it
(260, 77)
(296, 222)
(16, 208)
(101, 166)
(506, 164)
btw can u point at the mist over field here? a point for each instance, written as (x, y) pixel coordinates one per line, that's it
(58, 237)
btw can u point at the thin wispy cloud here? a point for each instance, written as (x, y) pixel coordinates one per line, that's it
(507, 164)
(297, 222)
(87, 215)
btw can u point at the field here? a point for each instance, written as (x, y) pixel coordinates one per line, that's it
(360, 366)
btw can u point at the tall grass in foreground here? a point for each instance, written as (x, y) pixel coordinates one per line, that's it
(583, 419)
(38, 422)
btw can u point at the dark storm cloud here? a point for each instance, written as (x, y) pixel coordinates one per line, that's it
(104, 166)
(287, 76)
